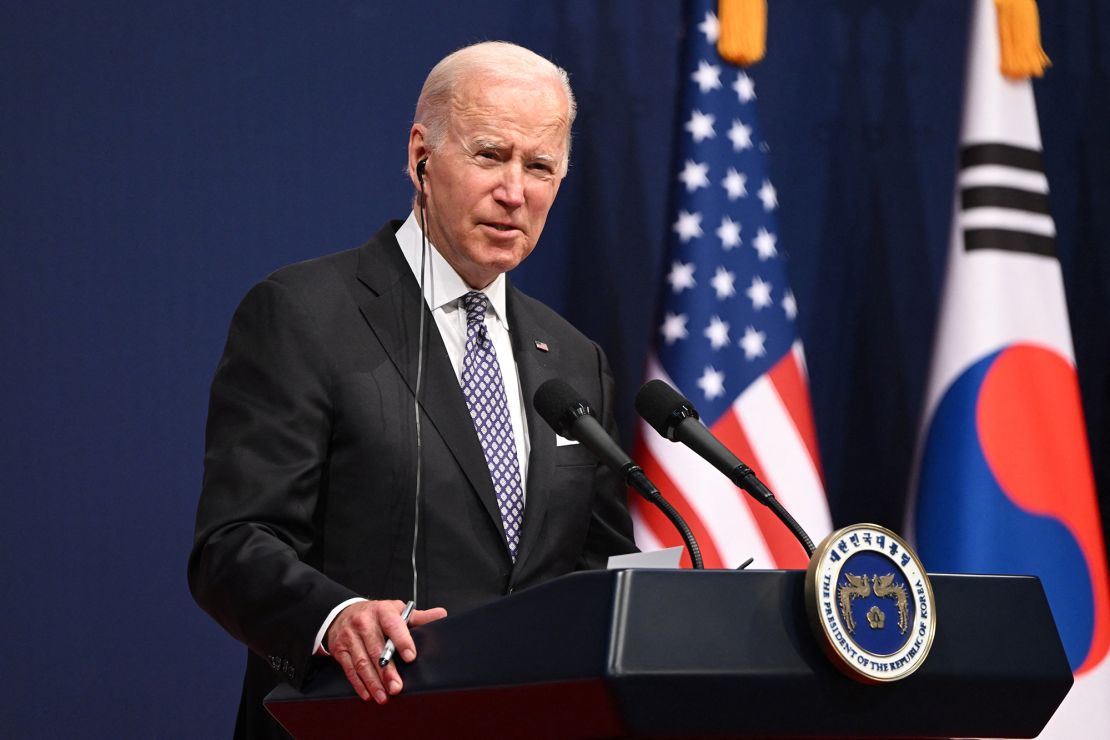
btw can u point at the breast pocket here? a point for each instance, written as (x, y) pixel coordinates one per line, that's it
(576, 454)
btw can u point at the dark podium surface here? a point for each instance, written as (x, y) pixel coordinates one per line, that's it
(649, 653)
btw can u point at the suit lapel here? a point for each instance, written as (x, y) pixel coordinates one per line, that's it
(535, 367)
(391, 307)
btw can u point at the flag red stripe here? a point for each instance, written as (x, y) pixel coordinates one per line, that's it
(787, 378)
(661, 526)
(785, 550)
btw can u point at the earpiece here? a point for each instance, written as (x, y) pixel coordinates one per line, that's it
(420, 170)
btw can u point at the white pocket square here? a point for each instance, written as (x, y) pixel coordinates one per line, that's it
(563, 441)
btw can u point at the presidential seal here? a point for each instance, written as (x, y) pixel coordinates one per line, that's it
(870, 603)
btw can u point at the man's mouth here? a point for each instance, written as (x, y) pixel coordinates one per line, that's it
(502, 227)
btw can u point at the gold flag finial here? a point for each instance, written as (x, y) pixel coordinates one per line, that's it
(1019, 39)
(743, 24)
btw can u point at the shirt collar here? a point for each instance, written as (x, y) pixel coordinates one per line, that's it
(443, 286)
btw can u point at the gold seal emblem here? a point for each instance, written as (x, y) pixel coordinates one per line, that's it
(870, 603)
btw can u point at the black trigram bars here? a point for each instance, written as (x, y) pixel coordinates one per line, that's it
(1010, 181)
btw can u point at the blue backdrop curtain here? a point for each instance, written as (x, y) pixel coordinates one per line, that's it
(157, 159)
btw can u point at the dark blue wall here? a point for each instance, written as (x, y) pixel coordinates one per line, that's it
(157, 159)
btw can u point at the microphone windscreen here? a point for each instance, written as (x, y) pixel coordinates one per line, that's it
(657, 403)
(555, 401)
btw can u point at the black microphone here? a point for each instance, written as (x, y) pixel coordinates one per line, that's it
(564, 409)
(675, 418)
(571, 416)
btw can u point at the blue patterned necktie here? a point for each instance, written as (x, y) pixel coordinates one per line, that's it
(489, 409)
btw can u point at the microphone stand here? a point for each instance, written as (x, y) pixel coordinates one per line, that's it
(745, 478)
(635, 477)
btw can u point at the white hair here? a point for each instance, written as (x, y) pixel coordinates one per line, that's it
(493, 60)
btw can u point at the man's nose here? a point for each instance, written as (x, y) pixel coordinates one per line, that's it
(510, 191)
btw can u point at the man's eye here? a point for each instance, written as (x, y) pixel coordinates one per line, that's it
(488, 155)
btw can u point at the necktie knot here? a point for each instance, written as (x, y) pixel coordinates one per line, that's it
(475, 304)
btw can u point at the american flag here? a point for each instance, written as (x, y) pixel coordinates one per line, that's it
(725, 334)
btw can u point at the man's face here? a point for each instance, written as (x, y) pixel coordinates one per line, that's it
(491, 183)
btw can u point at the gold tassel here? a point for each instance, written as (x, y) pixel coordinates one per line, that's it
(1019, 39)
(743, 37)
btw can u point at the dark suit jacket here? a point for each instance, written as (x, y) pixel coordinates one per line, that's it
(310, 464)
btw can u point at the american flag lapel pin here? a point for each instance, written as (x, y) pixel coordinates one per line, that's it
(542, 346)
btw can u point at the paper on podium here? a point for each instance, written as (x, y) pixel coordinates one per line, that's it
(664, 559)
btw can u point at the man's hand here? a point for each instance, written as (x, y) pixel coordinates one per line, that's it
(357, 637)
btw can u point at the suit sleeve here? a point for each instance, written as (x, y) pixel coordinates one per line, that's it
(610, 529)
(269, 422)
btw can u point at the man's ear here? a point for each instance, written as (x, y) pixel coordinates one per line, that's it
(418, 154)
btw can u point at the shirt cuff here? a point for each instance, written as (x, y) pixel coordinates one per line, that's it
(318, 646)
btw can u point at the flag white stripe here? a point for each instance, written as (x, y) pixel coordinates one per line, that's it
(989, 175)
(1008, 218)
(800, 358)
(783, 456)
(645, 537)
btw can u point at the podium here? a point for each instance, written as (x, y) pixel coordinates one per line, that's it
(679, 653)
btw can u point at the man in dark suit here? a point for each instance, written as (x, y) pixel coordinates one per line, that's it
(306, 540)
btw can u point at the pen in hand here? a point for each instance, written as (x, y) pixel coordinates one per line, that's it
(387, 653)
